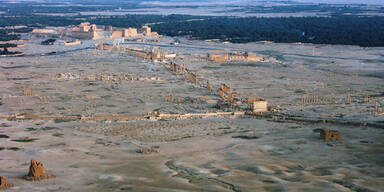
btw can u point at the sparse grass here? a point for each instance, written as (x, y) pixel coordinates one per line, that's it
(274, 153)
(351, 185)
(3, 136)
(294, 149)
(24, 140)
(10, 148)
(4, 125)
(48, 128)
(299, 142)
(100, 141)
(87, 91)
(74, 166)
(106, 96)
(248, 137)
(13, 148)
(57, 145)
(62, 120)
(57, 135)
(30, 129)
(322, 171)
(299, 91)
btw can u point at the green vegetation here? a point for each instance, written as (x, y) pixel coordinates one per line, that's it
(3, 136)
(248, 137)
(140, 20)
(8, 45)
(100, 141)
(13, 148)
(30, 129)
(48, 128)
(62, 120)
(10, 148)
(332, 9)
(57, 135)
(24, 140)
(346, 25)
(11, 34)
(347, 30)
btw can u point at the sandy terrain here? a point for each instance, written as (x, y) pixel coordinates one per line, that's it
(241, 153)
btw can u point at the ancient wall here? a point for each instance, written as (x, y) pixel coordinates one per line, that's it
(130, 32)
(192, 77)
(209, 86)
(260, 106)
(220, 92)
(43, 31)
(379, 108)
(27, 92)
(145, 30)
(218, 58)
(138, 53)
(236, 58)
(117, 34)
(327, 134)
(254, 58)
(226, 88)
(81, 35)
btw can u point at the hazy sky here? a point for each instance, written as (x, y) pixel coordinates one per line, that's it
(381, 2)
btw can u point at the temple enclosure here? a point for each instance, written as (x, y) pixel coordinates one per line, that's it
(148, 115)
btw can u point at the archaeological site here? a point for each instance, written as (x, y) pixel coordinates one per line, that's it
(105, 100)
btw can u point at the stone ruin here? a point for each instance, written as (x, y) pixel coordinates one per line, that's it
(148, 150)
(192, 77)
(36, 172)
(327, 134)
(209, 86)
(4, 184)
(27, 92)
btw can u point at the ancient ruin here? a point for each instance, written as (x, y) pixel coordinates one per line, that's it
(235, 57)
(27, 92)
(70, 43)
(4, 185)
(327, 134)
(37, 172)
(127, 104)
(260, 106)
(148, 150)
(192, 77)
(209, 86)
(379, 108)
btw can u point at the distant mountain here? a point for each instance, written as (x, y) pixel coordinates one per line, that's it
(193, 2)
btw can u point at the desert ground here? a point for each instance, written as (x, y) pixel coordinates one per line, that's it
(269, 152)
